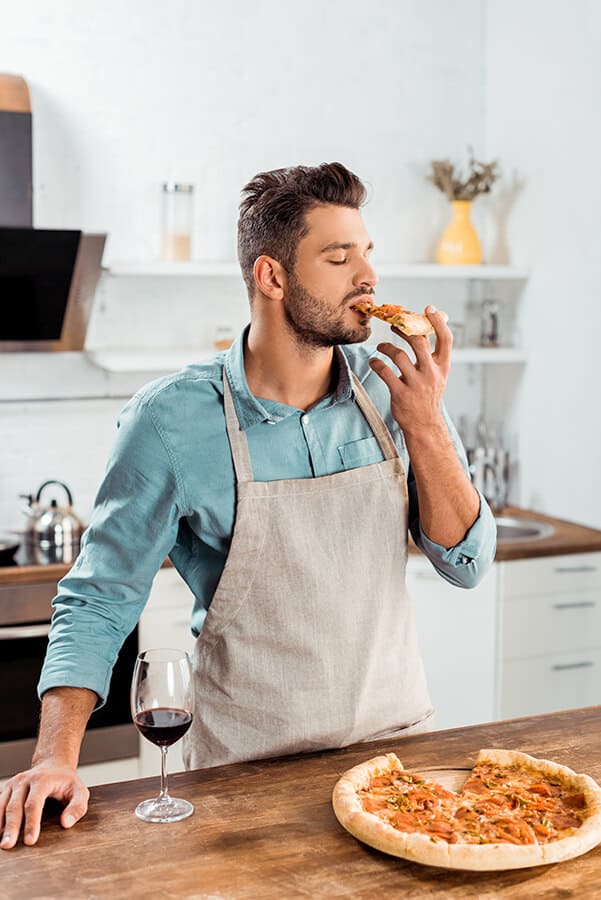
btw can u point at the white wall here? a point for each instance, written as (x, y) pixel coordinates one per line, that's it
(543, 84)
(126, 95)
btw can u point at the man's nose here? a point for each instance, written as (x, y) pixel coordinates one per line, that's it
(366, 274)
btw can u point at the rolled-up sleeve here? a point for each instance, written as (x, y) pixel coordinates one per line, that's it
(133, 528)
(465, 564)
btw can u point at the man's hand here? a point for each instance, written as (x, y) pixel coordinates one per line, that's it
(416, 395)
(53, 773)
(448, 502)
(22, 800)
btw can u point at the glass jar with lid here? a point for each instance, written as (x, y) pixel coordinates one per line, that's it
(177, 210)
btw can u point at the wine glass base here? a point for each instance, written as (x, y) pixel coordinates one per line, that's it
(168, 810)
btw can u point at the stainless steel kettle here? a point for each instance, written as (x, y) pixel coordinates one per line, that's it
(53, 532)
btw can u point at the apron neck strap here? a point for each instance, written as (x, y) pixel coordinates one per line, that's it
(239, 444)
(237, 438)
(374, 420)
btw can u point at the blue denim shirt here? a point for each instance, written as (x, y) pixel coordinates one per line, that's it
(169, 490)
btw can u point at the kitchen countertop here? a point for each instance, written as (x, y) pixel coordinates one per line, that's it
(267, 830)
(567, 538)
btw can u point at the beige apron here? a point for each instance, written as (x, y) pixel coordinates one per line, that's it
(309, 642)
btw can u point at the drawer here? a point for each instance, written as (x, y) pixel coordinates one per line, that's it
(552, 574)
(551, 623)
(550, 683)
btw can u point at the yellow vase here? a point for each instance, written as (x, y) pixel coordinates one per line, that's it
(459, 244)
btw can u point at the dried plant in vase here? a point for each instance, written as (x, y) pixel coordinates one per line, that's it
(460, 245)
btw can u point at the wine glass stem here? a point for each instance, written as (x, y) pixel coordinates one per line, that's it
(164, 795)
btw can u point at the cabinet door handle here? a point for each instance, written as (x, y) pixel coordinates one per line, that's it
(579, 604)
(561, 667)
(570, 569)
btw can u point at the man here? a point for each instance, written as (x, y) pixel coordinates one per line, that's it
(281, 479)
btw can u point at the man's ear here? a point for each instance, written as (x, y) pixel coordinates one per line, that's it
(270, 277)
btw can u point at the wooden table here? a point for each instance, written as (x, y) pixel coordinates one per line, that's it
(267, 830)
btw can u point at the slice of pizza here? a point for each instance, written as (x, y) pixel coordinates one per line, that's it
(513, 811)
(410, 323)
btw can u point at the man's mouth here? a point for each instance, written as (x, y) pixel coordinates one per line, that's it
(361, 298)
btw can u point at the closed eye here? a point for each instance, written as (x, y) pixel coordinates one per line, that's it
(338, 262)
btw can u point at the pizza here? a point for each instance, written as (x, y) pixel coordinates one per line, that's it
(513, 811)
(405, 320)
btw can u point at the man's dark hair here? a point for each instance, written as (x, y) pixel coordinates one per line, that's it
(273, 208)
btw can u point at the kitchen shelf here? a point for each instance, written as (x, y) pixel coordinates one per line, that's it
(165, 360)
(416, 271)
(148, 360)
(420, 271)
(97, 374)
(203, 269)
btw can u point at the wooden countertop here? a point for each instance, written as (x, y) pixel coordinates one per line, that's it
(267, 830)
(567, 538)
(51, 573)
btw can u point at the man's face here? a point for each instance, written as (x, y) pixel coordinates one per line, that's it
(332, 272)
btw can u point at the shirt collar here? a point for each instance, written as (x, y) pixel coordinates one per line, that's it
(249, 409)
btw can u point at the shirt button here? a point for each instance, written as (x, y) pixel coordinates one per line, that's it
(304, 420)
(270, 421)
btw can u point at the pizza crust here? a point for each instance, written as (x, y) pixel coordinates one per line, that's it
(433, 851)
(492, 857)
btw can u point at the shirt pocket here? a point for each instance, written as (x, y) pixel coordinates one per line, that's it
(360, 453)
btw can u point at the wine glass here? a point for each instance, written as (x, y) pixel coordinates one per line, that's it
(162, 693)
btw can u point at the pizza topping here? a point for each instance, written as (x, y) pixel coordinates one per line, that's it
(497, 805)
(462, 812)
(574, 801)
(565, 820)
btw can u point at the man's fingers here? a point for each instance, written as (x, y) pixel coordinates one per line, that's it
(399, 357)
(4, 798)
(13, 816)
(444, 338)
(76, 808)
(386, 374)
(420, 344)
(34, 806)
(22, 803)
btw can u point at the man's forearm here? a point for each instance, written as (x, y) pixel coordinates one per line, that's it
(65, 714)
(448, 502)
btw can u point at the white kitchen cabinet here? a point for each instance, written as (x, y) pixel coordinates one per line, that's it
(545, 684)
(550, 634)
(167, 616)
(165, 622)
(457, 637)
(552, 574)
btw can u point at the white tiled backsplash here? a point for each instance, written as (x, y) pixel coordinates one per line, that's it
(164, 311)
(66, 440)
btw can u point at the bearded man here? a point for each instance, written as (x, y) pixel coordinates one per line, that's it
(282, 478)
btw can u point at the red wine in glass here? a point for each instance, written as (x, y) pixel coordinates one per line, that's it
(163, 726)
(162, 705)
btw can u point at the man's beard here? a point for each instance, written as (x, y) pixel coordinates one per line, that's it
(316, 325)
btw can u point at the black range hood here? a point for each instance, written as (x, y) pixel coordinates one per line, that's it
(47, 277)
(47, 283)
